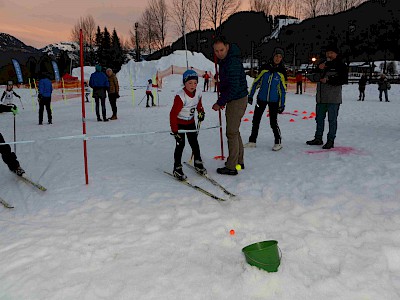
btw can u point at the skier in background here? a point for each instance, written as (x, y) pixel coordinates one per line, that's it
(87, 91)
(181, 117)
(299, 83)
(9, 94)
(113, 92)
(361, 87)
(149, 93)
(206, 77)
(383, 87)
(99, 83)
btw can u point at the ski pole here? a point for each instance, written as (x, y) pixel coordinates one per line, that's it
(21, 103)
(15, 138)
(142, 99)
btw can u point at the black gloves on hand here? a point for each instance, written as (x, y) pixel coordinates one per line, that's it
(200, 116)
(281, 109)
(176, 136)
(250, 100)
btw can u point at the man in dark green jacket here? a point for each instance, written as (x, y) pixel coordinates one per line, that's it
(233, 95)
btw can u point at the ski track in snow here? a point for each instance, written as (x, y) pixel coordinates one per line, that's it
(133, 233)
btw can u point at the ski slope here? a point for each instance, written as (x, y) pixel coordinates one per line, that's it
(134, 233)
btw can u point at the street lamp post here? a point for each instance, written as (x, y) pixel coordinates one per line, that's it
(137, 42)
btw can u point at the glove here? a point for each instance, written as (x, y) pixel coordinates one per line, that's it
(281, 109)
(200, 116)
(176, 136)
(39, 97)
(14, 110)
(250, 100)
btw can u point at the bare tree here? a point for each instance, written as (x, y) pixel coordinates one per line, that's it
(336, 6)
(265, 6)
(312, 8)
(218, 11)
(88, 26)
(286, 6)
(159, 15)
(180, 16)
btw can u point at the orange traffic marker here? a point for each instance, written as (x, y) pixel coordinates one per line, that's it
(291, 120)
(305, 118)
(246, 120)
(232, 232)
(251, 112)
(296, 111)
(304, 112)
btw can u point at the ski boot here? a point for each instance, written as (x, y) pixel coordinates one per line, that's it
(178, 173)
(19, 171)
(198, 165)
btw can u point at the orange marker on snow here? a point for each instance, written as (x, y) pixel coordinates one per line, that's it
(291, 120)
(232, 232)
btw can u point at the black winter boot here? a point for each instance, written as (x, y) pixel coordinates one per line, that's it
(315, 141)
(178, 173)
(328, 145)
(226, 171)
(19, 171)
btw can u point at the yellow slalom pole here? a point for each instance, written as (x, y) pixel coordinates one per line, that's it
(63, 90)
(133, 92)
(30, 92)
(155, 91)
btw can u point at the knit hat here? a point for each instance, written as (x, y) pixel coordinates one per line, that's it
(278, 51)
(189, 75)
(150, 81)
(332, 47)
(10, 82)
(98, 68)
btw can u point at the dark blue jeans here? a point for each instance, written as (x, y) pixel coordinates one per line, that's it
(333, 112)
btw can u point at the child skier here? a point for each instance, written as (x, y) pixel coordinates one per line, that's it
(149, 93)
(87, 91)
(272, 84)
(9, 157)
(9, 94)
(186, 102)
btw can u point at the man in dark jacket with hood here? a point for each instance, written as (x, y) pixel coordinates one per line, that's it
(330, 75)
(233, 95)
(100, 84)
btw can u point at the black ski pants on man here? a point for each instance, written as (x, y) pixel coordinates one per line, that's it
(273, 120)
(180, 143)
(8, 156)
(45, 102)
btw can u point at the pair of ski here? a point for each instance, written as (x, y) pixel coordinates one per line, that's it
(201, 190)
(28, 181)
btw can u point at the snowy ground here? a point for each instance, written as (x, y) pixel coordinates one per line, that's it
(133, 233)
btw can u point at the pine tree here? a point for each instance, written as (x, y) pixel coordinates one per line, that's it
(98, 44)
(106, 48)
(117, 53)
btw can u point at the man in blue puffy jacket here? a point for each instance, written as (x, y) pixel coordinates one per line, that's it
(45, 91)
(233, 95)
(272, 84)
(100, 84)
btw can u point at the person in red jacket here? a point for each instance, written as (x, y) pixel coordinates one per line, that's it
(181, 117)
(206, 77)
(299, 83)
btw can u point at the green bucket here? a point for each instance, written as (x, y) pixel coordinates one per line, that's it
(264, 255)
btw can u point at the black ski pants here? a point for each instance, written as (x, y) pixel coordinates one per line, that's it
(180, 143)
(103, 107)
(7, 155)
(45, 102)
(273, 120)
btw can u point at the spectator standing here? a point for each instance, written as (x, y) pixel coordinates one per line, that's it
(113, 92)
(99, 83)
(233, 95)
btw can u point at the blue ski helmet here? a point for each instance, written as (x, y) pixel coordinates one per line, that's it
(189, 75)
